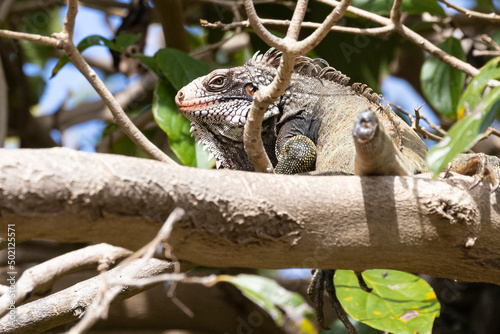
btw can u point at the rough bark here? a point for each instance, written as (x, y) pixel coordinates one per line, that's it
(242, 219)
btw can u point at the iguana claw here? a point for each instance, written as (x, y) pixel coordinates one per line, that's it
(478, 165)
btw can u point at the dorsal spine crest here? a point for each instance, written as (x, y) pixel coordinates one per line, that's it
(316, 68)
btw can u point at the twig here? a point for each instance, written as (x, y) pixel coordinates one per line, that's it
(415, 123)
(492, 17)
(488, 40)
(493, 53)
(4, 106)
(412, 37)
(40, 278)
(149, 249)
(64, 40)
(112, 285)
(491, 131)
(312, 25)
(66, 37)
(32, 38)
(69, 304)
(387, 28)
(396, 13)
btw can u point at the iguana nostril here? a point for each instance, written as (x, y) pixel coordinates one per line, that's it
(180, 96)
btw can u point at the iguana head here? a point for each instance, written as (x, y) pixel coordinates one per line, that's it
(218, 104)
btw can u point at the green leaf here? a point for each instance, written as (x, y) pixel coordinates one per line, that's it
(179, 68)
(151, 63)
(84, 44)
(174, 124)
(474, 92)
(464, 134)
(383, 7)
(274, 299)
(122, 42)
(442, 84)
(399, 303)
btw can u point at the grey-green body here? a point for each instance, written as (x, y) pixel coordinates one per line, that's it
(318, 104)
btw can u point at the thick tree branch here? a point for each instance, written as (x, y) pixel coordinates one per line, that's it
(242, 219)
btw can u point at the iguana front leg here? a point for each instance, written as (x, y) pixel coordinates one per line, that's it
(296, 156)
(295, 150)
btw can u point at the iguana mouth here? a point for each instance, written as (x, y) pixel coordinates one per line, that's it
(194, 105)
(207, 107)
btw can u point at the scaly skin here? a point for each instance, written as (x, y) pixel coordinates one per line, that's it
(317, 111)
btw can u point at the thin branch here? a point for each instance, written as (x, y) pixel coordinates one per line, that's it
(492, 17)
(63, 40)
(65, 36)
(491, 131)
(252, 138)
(290, 48)
(40, 278)
(317, 36)
(488, 40)
(412, 37)
(492, 53)
(396, 13)
(415, 124)
(297, 19)
(32, 38)
(69, 304)
(112, 285)
(313, 25)
(259, 28)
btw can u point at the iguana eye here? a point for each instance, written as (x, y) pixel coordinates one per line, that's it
(250, 89)
(217, 82)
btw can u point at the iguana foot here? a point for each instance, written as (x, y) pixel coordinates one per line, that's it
(297, 155)
(322, 279)
(478, 165)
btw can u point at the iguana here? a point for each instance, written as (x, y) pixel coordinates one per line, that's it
(319, 124)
